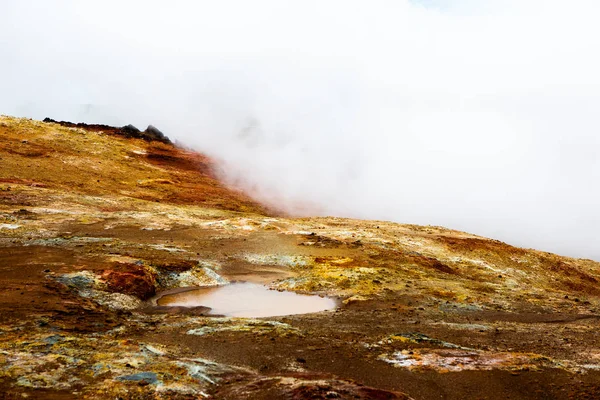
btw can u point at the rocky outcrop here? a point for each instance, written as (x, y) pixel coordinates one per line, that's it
(130, 279)
(130, 130)
(125, 286)
(151, 134)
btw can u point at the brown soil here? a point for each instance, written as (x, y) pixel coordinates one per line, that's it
(425, 312)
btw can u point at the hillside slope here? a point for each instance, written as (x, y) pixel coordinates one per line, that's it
(99, 161)
(94, 225)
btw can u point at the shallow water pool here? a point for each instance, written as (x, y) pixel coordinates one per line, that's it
(249, 300)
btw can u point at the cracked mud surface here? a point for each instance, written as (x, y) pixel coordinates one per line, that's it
(92, 228)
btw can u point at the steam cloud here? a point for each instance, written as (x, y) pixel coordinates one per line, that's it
(482, 118)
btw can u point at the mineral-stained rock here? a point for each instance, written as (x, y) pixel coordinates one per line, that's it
(130, 279)
(78, 280)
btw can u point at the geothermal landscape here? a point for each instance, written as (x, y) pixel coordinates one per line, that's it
(104, 231)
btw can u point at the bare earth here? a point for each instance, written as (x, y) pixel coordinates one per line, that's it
(95, 226)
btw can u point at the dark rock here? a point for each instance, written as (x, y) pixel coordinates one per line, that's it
(25, 214)
(130, 130)
(153, 133)
(150, 134)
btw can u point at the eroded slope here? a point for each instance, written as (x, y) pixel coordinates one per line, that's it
(93, 225)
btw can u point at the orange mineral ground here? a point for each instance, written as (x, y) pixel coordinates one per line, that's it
(97, 224)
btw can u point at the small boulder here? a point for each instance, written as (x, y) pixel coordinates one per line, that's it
(131, 131)
(130, 279)
(153, 133)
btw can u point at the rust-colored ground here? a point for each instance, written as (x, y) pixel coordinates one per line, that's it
(94, 225)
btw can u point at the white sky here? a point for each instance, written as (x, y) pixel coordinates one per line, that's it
(481, 116)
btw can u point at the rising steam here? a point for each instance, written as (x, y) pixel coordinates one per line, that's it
(478, 117)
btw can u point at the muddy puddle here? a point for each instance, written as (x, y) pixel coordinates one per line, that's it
(248, 300)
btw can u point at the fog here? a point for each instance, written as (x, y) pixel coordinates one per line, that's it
(482, 116)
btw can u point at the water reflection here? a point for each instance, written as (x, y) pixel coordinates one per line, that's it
(246, 299)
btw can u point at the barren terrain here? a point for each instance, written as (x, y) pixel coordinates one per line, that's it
(96, 224)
